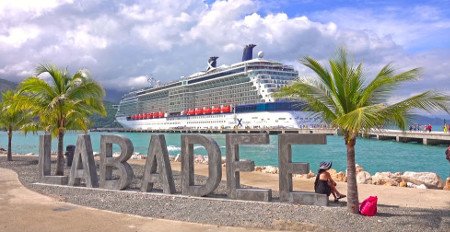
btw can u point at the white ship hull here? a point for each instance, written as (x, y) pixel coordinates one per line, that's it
(265, 119)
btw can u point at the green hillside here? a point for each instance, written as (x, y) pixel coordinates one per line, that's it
(5, 85)
(109, 120)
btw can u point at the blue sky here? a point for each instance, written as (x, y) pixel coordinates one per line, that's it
(123, 42)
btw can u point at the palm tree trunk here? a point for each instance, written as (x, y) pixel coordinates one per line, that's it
(352, 187)
(9, 155)
(60, 158)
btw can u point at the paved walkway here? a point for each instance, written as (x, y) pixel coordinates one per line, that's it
(23, 210)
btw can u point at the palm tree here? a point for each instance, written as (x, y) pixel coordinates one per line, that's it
(13, 118)
(345, 100)
(65, 103)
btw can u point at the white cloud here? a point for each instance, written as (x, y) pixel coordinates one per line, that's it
(122, 43)
(28, 8)
(16, 36)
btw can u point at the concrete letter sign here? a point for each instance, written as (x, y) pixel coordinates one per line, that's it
(234, 166)
(108, 162)
(287, 168)
(83, 165)
(158, 156)
(45, 147)
(187, 165)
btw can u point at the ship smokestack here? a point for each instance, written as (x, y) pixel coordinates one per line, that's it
(248, 52)
(212, 62)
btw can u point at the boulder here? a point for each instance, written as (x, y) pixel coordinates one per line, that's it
(332, 172)
(363, 177)
(403, 184)
(177, 158)
(310, 175)
(386, 178)
(412, 185)
(358, 168)
(271, 169)
(258, 168)
(429, 179)
(340, 176)
(199, 159)
(447, 184)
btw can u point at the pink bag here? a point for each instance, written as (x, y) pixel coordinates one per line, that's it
(369, 206)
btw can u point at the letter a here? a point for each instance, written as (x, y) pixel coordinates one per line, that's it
(158, 156)
(83, 163)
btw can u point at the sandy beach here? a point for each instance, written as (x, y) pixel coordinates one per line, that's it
(400, 209)
(387, 195)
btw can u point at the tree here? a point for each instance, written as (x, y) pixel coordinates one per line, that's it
(345, 100)
(64, 103)
(13, 118)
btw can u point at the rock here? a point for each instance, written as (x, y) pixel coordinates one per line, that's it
(358, 168)
(310, 175)
(177, 158)
(340, 176)
(271, 170)
(403, 184)
(258, 168)
(386, 178)
(332, 172)
(412, 185)
(447, 184)
(429, 179)
(2, 149)
(422, 186)
(363, 177)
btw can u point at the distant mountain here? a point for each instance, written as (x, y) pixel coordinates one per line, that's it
(113, 95)
(107, 122)
(5, 85)
(430, 120)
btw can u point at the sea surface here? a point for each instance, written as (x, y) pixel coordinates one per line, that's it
(373, 155)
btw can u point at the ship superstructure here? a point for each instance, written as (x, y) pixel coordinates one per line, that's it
(239, 95)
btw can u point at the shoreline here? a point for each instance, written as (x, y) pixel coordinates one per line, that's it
(395, 214)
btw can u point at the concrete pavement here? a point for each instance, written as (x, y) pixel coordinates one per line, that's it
(23, 210)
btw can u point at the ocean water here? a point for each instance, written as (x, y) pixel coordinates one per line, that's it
(373, 155)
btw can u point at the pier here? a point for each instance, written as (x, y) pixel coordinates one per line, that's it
(426, 138)
(327, 131)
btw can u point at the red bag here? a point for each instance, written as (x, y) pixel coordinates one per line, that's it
(369, 206)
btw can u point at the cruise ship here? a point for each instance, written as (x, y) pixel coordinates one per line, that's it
(227, 96)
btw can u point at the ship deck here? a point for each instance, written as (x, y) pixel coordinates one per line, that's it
(328, 131)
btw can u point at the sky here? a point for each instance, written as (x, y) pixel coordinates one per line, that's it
(121, 43)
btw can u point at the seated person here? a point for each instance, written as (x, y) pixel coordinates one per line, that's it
(324, 184)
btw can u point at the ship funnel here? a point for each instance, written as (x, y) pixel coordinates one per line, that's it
(212, 62)
(248, 52)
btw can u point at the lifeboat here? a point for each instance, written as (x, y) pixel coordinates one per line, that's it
(215, 110)
(161, 114)
(133, 117)
(148, 115)
(225, 109)
(198, 111)
(206, 110)
(139, 116)
(191, 112)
